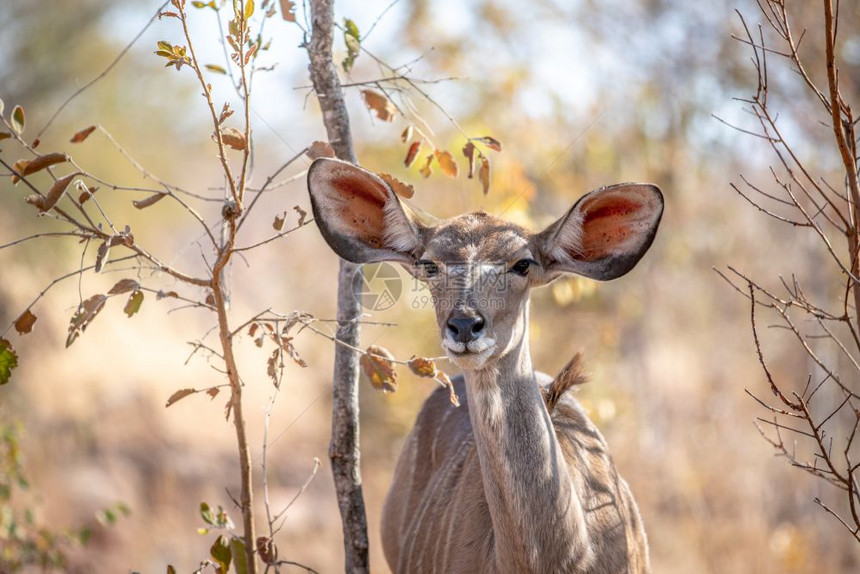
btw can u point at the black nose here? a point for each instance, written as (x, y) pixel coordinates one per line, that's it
(464, 326)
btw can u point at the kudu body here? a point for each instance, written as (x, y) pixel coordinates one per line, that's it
(499, 484)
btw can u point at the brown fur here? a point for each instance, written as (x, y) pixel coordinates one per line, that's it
(436, 517)
(570, 376)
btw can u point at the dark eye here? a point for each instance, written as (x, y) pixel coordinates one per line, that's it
(430, 268)
(521, 267)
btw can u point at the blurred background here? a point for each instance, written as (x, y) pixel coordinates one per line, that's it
(581, 94)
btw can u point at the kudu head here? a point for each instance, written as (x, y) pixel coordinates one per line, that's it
(480, 268)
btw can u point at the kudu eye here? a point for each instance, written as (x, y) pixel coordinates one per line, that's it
(430, 268)
(522, 266)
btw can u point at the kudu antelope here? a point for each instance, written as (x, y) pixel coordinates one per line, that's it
(499, 484)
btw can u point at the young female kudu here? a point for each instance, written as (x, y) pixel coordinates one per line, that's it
(500, 484)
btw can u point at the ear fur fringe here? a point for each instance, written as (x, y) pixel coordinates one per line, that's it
(570, 376)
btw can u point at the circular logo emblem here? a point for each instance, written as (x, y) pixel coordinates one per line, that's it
(377, 286)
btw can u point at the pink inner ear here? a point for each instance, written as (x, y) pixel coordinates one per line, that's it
(359, 207)
(612, 223)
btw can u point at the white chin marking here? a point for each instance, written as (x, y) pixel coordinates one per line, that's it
(452, 345)
(479, 351)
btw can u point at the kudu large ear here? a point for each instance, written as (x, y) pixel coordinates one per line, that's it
(605, 233)
(359, 215)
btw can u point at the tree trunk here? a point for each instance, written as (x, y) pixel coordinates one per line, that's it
(344, 447)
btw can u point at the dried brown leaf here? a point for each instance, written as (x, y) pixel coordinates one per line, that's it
(400, 188)
(320, 149)
(407, 134)
(442, 379)
(414, 148)
(234, 138)
(50, 199)
(102, 255)
(380, 104)
(491, 143)
(42, 162)
(82, 134)
(226, 112)
(446, 163)
(124, 286)
(469, 152)
(178, 396)
(18, 168)
(272, 366)
(86, 312)
(213, 392)
(278, 224)
(287, 8)
(86, 193)
(286, 343)
(302, 214)
(148, 201)
(377, 365)
(24, 323)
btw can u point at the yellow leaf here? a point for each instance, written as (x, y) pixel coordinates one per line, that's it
(484, 174)
(446, 163)
(426, 170)
(377, 365)
(412, 153)
(422, 367)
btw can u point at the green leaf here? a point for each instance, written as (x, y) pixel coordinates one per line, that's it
(18, 119)
(221, 554)
(106, 516)
(351, 28)
(135, 300)
(166, 46)
(8, 361)
(215, 68)
(240, 558)
(206, 514)
(352, 39)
